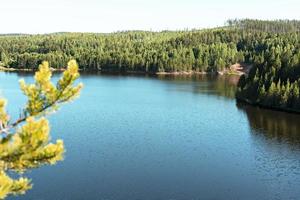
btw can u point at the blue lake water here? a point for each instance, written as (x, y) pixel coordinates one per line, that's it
(165, 138)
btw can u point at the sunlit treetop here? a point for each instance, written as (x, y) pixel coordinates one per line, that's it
(25, 143)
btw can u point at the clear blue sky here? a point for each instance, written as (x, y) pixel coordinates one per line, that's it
(44, 16)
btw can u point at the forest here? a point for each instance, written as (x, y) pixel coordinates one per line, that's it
(138, 51)
(274, 79)
(271, 47)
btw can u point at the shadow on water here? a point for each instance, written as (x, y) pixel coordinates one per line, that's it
(223, 86)
(280, 126)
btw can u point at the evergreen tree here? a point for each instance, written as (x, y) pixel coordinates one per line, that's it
(25, 143)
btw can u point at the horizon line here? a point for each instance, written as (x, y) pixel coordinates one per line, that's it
(151, 30)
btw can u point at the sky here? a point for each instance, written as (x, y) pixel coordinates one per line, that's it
(48, 16)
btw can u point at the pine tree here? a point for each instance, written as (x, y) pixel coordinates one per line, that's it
(25, 143)
(4, 60)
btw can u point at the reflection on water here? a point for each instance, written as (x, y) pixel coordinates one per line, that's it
(281, 126)
(224, 86)
(275, 144)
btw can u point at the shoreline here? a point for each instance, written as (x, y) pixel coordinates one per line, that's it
(9, 69)
(280, 109)
(183, 73)
(236, 69)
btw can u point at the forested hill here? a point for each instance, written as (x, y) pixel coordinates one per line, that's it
(208, 50)
(274, 79)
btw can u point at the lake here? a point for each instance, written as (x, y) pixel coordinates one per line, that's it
(165, 138)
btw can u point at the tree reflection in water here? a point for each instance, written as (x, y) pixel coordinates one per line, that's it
(223, 86)
(281, 126)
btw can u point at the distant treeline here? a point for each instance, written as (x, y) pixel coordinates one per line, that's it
(151, 52)
(198, 50)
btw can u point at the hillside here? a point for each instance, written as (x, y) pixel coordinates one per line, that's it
(208, 50)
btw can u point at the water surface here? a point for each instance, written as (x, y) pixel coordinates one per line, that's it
(160, 138)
